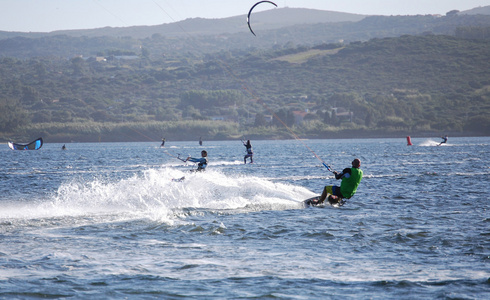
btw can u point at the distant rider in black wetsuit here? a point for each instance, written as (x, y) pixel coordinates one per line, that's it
(444, 140)
(250, 152)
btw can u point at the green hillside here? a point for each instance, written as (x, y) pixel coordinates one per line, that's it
(418, 85)
(276, 29)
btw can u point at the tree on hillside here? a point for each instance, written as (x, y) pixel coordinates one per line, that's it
(12, 115)
(30, 95)
(78, 66)
(260, 120)
(283, 115)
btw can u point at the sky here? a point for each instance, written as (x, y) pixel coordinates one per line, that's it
(51, 15)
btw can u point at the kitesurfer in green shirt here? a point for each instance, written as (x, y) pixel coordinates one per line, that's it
(351, 177)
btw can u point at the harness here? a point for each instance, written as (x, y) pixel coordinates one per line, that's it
(202, 165)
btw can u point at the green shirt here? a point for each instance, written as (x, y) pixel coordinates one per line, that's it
(348, 187)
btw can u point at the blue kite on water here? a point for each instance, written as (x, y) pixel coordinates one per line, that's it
(34, 145)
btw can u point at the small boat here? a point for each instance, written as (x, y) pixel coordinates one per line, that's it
(34, 145)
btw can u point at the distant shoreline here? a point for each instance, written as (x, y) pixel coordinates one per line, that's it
(341, 134)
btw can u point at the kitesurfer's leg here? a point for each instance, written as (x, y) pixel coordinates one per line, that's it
(332, 199)
(336, 191)
(327, 190)
(245, 159)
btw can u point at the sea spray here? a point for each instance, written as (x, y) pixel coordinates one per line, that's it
(152, 194)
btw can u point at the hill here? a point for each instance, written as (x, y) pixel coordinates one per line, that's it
(271, 19)
(481, 10)
(275, 28)
(429, 84)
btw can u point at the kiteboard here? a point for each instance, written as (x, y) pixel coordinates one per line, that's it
(331, 200)
(179, 179)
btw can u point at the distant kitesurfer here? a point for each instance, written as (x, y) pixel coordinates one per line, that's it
(444, 140)
(200, 141)
(250, 152)
(202, 162)
(64, 147)
(351, 177)
(163, 142)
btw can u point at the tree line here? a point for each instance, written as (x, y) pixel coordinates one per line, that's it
(429, 83)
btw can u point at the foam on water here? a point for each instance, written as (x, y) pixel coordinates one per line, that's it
(226, 163)
(430, 143)
(154, 195)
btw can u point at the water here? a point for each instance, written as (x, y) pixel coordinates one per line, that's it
(106, 221)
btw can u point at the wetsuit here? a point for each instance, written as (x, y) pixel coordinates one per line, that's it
(202, 163)
(250, 153)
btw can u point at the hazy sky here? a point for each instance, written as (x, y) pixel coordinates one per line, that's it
(50, 15)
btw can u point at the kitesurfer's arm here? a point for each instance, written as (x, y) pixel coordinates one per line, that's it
(345, 173)
(196, 160)
(192, 159)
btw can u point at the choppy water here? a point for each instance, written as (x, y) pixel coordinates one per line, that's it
(106, 221)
